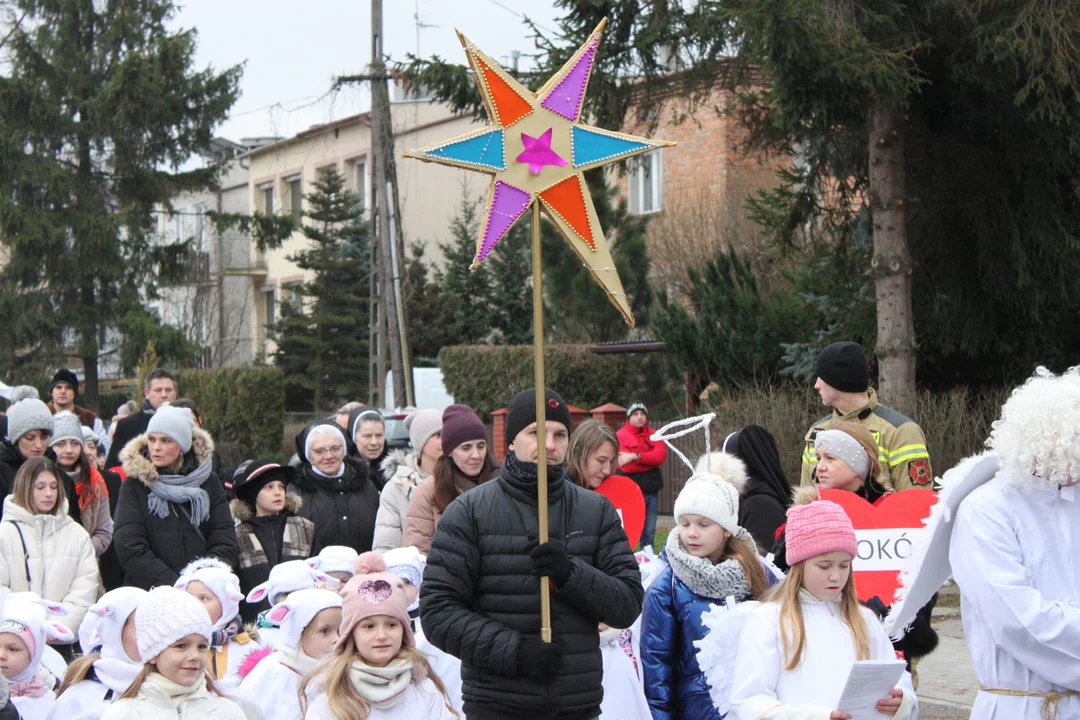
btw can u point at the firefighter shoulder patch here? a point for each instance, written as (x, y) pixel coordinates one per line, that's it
(919, 470)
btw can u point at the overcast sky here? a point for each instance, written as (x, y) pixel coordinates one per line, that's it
(294, 50)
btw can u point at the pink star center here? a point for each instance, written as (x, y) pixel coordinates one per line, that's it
(538, 152)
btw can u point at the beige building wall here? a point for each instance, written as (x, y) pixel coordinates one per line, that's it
(280, 174)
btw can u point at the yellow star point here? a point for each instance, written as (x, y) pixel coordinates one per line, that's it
(528, 136)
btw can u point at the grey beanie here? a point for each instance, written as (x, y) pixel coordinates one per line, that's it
(27, 415)
(88, 435)
(22, 392)
(421, 425)
(177, 423)
(66, 426)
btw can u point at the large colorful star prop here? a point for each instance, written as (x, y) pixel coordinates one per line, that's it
(536, 148)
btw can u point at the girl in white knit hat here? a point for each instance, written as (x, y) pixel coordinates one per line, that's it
(172, 630)
(110, 660)
(309, 622)
(712, 560)
(213, 583)
(25, 627)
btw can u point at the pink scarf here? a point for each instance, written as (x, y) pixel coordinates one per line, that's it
(35, 688)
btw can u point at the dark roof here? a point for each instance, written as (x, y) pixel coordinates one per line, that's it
(627, 347)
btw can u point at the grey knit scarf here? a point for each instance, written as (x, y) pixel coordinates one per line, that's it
(182, 489)
(716, 582)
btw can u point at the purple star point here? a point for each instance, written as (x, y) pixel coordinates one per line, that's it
(538, 152)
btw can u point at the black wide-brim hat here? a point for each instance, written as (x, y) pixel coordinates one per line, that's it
(259, 473)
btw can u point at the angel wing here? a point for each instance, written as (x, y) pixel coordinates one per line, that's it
(717, 651)
(927, 568)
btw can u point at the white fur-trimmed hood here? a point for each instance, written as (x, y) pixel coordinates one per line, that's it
(138, 465)
(726, 466)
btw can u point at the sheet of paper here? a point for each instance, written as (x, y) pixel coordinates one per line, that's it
(869, 682)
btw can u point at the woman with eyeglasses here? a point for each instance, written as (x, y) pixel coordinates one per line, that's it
(337, 493)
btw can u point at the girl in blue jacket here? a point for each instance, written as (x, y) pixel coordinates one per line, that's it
(711, 559)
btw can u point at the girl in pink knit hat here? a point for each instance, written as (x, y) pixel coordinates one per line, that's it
(797, 650)
(375, 671)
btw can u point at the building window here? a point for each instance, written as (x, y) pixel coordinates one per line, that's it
(296, 197)
(266, 198)
(271, 306)
(360, 183)
(647, 183)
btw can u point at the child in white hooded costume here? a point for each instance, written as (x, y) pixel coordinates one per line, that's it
(110, 659)
(213, 583)
(25, 628)
(285, 578)
(309, 622)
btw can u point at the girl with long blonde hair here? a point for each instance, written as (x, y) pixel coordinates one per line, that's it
(172, 632)
(375, 671)
(797, 649)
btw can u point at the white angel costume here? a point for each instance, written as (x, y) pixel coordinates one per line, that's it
(1008, 530)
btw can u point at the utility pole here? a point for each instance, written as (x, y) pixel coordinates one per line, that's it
(387, 217)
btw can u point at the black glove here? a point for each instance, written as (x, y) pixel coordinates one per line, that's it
(879, 607)
(538, 660)
(550, 559)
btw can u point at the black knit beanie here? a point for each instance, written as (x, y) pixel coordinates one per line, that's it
(843, 366)
(65, 376)
(522, 411)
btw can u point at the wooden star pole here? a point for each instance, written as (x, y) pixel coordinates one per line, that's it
(536, 148)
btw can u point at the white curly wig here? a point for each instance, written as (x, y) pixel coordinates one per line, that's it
(1038, 433)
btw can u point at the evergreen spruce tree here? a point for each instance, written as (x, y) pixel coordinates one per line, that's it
(322, 335)
(511, 285)
(100, 105)
(580, 310)
(428, 332)
(466, 294)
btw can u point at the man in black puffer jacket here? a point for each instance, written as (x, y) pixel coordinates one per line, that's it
(480, 598)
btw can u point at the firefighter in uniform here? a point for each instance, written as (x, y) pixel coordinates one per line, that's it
(843, 381)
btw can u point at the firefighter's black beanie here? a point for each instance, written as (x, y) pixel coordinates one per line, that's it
(843, 366)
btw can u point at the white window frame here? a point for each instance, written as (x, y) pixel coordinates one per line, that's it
(267, 190)
(270, 307)
(295, 183)
(647, 173)
(360, 181)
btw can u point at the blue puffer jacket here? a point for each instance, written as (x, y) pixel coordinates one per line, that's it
(670, 623)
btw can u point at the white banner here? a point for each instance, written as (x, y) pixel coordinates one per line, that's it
(883, 549)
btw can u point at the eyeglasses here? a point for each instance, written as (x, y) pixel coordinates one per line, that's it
(323, 452)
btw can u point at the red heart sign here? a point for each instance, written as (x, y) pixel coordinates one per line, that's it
(885, 532)
(626, 496)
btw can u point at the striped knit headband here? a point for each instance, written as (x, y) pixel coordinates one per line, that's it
(846, 448)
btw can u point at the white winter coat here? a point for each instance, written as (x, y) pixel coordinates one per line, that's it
(273, 685)
(763, 690)
(624, 691)
(423, 701)
(153, 703)
(63, 565)
(403, 475)
(1016, 557)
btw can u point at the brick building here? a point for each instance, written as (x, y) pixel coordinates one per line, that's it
(697, 190)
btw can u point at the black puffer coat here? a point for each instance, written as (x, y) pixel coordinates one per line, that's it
(343, 509)
(479, 599)
(153, 550)
(10, 462)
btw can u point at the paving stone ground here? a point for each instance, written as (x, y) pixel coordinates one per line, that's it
(947, 682)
